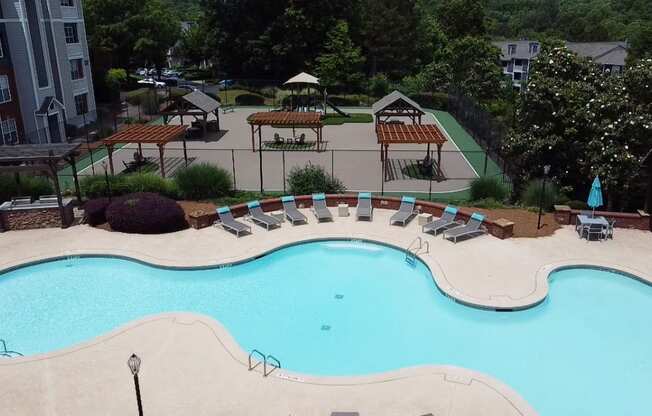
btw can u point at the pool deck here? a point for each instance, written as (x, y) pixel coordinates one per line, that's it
(191, 365)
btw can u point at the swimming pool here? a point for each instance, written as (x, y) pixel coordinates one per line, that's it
(352, 308)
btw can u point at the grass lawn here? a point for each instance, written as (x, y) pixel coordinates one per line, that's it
(229, 97)
(335, 119)
(290, 146)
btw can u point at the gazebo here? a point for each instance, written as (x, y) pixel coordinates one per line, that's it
(284, 119)
(42, 158)
(388, 133)
(147, 134)
(197, 105)
(397, 104)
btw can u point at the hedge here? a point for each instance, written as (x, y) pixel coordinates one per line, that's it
(145, 213)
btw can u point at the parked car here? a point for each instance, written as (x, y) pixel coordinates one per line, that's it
(141, 71)
(187, 87)
(226, 83)
(151, 82)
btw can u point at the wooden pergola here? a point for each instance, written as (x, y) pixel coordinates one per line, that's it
(42, 158)
(147, 134)
(284, 119)
(409, 134)
(197, 105)
(397, 105)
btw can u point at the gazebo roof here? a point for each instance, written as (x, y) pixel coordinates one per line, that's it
(202, 101)
(37, 152)
(396, 100)
(409, 133)
(285, 118)
(302, 78)
(146, 134)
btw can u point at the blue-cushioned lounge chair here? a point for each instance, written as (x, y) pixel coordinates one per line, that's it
(260, 218)
(446, 221)
(226, 220)
(365, 209)
(471, 229)
(320, 209)
(291, 212)
(405, 212)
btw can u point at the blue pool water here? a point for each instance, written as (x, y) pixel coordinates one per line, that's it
(350, 308)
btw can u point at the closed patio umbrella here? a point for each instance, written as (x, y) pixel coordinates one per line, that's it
(595, 196)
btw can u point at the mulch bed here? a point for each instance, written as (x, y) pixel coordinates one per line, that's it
(525, 222)
(191, 206)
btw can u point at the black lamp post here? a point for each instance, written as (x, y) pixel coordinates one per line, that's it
(546, 171)
(134, 366)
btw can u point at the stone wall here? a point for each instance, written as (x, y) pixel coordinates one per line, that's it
(28, 219)
(639, 220)
(500, 228)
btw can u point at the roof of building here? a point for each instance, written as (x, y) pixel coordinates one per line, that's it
(202, 101)
(598, 51)
(395, 98)
(409, 133)
(37, 152)
(46, 105)
(522, 48)
(146, 134)
(285, 118)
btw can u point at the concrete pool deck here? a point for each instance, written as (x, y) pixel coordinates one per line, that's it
(191, 365)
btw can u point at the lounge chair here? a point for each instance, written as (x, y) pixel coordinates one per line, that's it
(320, 209)
(364, 209)
(291, 212)
(226, 220)
(446, 221)
(405, 212)
(471, 229)
(260, 218)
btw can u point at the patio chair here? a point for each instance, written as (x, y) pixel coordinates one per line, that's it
(593, 230)
(609, 231)
(291, 212)
(278, 139)
(364, 209)
(405, 212)
(301, 139)
(320, 209)
(472, 229)
(446, 221)
(226, 220)
(259, 217)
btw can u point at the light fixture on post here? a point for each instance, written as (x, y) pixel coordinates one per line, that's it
(134, 366)
(546, 171)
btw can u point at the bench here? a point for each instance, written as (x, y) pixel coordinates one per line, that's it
(228, 109)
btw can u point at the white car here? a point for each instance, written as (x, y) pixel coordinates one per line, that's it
(151, 82)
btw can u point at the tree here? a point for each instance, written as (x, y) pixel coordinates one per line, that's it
(159, 30)
(460, 18)
(193, 47)
(114, 79)
(341, 62)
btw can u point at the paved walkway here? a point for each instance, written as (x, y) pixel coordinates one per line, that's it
(193, 366)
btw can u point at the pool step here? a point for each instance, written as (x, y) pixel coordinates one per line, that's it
(267, 360)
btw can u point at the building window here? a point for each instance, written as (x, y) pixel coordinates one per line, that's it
(518, 62)
(511, 49)
(9, 131)
(76, 69)
(534, 47)
(517, 76)
(71, 32)
(510, 67)
(68, 3)
(5, 92)
(81, 104)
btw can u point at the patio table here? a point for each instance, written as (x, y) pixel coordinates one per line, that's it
(585, 220)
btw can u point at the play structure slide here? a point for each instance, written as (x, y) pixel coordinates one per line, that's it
(337, 110)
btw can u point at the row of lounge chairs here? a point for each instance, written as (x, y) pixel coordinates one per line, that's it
(448, 225)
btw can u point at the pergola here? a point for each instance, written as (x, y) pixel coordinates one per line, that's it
(147, 134)
(197, 105)
(42, 158)
(283, 119)
(409, 134)
(397, 105)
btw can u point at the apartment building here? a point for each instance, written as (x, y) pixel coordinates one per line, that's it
(516, 56)
(11, 124)
(50, 59)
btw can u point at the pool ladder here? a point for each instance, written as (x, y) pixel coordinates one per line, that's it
(415, 249)
(4, 352)
(267, 360)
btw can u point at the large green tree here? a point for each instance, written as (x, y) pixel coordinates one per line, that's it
(341, 61)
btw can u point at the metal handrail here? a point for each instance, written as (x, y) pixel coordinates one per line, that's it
(264, 361)
(408, 251)
(6, 353)
(275, 365)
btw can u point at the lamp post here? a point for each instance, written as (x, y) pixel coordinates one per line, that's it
(106, 179)
(134, 366)
(546, 171)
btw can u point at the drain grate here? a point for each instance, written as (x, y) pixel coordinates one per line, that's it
(338, 296)
(325, 327)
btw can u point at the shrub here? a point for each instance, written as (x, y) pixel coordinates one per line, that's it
(203, 181)
(150, 182)
(269, 92)
(145, 213)
(488, 187)
(33, 186)
(574, 204)
(311, 179)
(150, 102)
(435, 101)
(379, 85)
(95, 186)
(95, 211)
(249, 99)
(532, 194)
(345, 101)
